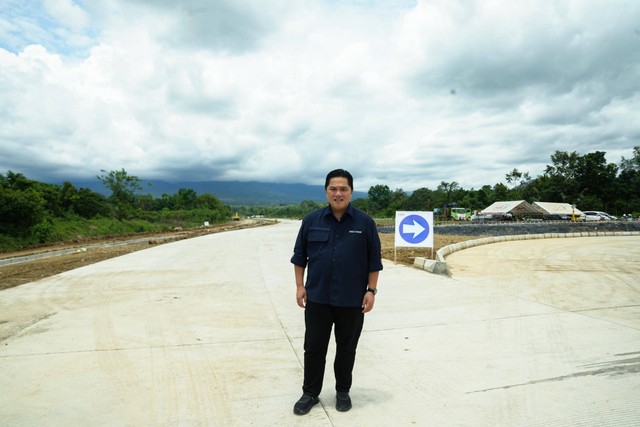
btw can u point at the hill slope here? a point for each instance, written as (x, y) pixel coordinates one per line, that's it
(232, 193)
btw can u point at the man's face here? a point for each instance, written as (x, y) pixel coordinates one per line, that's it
(339, 193)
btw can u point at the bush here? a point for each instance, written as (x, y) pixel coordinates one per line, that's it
(43, 232)
(20, 210)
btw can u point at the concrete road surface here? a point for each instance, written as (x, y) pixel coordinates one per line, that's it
(206, 332)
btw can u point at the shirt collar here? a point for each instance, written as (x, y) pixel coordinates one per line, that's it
(327, 210)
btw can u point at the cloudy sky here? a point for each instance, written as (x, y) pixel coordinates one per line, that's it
(403, 93)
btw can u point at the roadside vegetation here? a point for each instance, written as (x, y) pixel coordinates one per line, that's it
(33, 212)
(588, 181)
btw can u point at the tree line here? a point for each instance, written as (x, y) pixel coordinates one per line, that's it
(587, 181)
(33, 212)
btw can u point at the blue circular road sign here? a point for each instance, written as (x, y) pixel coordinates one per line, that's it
(414, 229)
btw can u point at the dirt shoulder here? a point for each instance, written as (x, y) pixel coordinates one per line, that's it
(89, 251)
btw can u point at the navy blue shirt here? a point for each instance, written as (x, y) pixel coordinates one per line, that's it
(339, 255)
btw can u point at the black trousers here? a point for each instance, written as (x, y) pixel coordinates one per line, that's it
(319, 320)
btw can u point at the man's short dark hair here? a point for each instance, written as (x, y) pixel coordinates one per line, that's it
(339, 173)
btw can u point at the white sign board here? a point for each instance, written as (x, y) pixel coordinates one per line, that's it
(414, 229)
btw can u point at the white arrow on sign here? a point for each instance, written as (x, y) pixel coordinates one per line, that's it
(416, 228)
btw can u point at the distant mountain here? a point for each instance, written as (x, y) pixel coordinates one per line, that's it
(234, 193)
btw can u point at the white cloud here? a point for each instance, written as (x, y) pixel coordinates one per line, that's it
(67, 13)
(402, 94)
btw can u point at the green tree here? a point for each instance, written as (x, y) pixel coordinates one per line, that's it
(68, 196)
(519, 181)
(307, 206)
(485, 197)
(421, 200)
(448, 189)
(20, 209)
(146, 202)
(185, 198)
(379, 198)
(596, 178)
(16, 181)
(628, 183)
(544, 188)
(209, 201)
(123, 190)
(362, 204)
(52, 195)
(517, 178)
(90, 204)
(561, 184)
(500, 192)
(632, 164)
(398, 202)
(165, 202)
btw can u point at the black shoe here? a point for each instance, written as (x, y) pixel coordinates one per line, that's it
(304, 404)
(343, 401)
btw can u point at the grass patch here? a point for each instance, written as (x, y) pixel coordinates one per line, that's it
(75, 228)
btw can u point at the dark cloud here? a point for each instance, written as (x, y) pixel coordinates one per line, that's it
(409, 96)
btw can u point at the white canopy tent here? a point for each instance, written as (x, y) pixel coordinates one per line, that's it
(515, 208)
(551, 208)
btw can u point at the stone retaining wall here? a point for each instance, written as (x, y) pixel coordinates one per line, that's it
(439, 265)
(543, 227)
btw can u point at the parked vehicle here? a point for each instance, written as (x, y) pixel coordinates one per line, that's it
(557, 217)
(477, 216)
(593, 216)
(598, 216)
(450, 212)
(460, 214)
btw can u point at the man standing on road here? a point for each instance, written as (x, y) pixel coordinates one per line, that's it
(341, 247)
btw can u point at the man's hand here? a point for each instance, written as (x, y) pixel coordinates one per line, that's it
(301, 296)
(367, 302)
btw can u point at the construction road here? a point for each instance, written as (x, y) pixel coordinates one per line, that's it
(206, 332)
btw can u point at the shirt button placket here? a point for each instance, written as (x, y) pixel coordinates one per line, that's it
(334, 290)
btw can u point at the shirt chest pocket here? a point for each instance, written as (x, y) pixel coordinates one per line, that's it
(318, 240)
